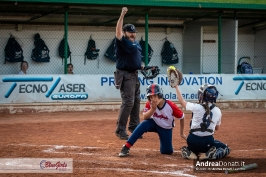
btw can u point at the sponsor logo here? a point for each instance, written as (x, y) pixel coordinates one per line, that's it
(69, 96)
(34, 87)
(44, 164)
(252, 83)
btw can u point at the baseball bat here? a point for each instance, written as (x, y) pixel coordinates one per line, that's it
(246, 167)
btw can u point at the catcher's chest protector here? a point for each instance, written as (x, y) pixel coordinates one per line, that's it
(205, 123)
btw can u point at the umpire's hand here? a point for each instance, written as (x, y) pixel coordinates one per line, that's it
(124, 10)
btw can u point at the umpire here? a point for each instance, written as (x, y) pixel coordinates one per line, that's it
(128, 55)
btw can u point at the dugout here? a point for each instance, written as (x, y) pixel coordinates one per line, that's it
(209, 37)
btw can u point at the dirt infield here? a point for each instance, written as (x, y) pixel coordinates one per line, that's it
(88, 138)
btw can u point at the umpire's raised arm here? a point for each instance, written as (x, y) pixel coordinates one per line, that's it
(119, 25)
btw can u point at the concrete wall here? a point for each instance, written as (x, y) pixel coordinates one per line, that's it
(111, 106)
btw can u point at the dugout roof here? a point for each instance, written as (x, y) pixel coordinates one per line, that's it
(251, 14)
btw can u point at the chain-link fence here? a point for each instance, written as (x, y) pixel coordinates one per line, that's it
(203, 43)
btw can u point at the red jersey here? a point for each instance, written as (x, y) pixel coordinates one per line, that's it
(164, 117)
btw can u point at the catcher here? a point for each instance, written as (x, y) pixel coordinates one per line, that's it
(159, 115)
(206, 118)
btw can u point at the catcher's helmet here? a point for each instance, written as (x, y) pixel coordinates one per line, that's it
(154, 89)
(207, 93)
(150, 72)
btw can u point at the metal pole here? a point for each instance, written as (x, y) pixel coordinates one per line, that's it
(66, 42)
(146, 38)
(220, 44)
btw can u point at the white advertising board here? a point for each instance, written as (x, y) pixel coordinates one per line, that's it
(100, 88)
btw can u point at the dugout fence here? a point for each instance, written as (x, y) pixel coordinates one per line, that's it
(206, 40)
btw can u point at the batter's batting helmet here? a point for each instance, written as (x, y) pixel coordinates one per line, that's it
(154, 89)
(207, 93)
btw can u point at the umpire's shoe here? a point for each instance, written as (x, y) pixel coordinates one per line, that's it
(124, 151)
(122, 135)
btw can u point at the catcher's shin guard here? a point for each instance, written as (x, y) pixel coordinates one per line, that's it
(213, 154)
(227, 151)
(222, 152)
(187, 154)
(210, 154)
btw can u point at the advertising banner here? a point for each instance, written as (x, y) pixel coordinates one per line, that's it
(100, 88)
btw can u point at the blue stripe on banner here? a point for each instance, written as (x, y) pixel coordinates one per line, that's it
(28, 79)
(53, 87)
(10, 90)
(249, 78)
(239, 87)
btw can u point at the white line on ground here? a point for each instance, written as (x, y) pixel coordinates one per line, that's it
(90, 147)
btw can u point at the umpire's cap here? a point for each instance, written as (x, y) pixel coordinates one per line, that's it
(129, 28)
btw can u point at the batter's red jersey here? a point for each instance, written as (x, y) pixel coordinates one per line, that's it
(164, 117)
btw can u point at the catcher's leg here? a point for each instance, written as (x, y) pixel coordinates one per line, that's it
(222, 150)
(219, 150)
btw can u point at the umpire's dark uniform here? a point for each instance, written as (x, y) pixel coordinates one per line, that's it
(128, 61)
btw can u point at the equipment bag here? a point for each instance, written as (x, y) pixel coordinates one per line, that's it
(13, 51)
(245, 68)
(169, 53)
(110, 52)
(92, 53)
(62, 51)
(150, 51)
(41, 52)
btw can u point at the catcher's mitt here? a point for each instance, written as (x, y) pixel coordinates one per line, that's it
(150, 72)
(174, 76)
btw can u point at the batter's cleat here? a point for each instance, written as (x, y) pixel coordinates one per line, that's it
(124, 151)
(187, 154)
(122, 135)
(210, 154)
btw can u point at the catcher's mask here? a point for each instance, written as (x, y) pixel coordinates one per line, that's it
(207, 93)
(154, 89)
(150, 72)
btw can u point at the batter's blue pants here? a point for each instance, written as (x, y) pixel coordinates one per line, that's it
(149, 125)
